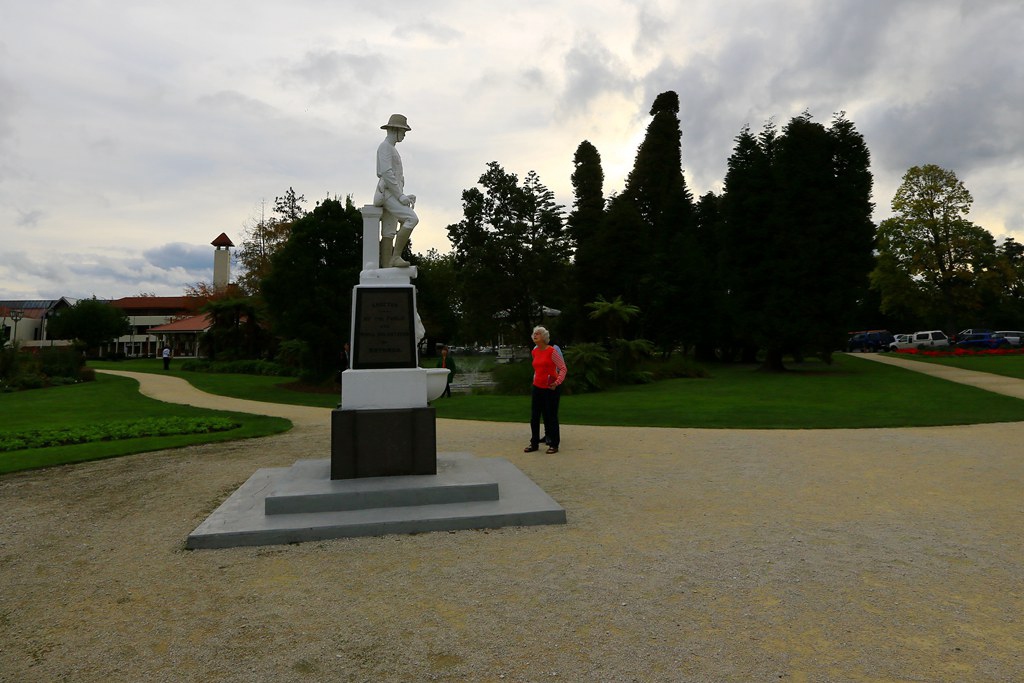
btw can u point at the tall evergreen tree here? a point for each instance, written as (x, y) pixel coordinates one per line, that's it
(798, 209)
(584, 225)
(746, 204)
(657, 258)
(852, 239)
(711, 323)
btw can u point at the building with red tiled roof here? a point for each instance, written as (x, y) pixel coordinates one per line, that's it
(144, 313)
(182, 336)
(24, 321)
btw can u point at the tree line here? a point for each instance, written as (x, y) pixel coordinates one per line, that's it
(784, 262)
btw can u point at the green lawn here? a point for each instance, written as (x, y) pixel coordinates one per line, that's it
(108, 399)
(1010, 366)
(851, 393)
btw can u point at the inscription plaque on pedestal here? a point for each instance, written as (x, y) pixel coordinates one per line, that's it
(384, 328)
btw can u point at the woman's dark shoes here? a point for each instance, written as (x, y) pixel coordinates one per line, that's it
(553, 449)
(531, 448)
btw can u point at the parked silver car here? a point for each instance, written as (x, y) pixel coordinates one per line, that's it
(1012, 336)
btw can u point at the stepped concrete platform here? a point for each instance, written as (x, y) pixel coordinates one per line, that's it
(302, 503)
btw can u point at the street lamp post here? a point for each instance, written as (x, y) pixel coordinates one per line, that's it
(16, 315)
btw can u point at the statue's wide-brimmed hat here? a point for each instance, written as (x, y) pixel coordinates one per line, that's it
(397, 121)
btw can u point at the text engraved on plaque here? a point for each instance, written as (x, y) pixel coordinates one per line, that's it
(385, 334)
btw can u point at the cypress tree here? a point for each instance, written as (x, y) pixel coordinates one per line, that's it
(585, 232)
(663, 248)
(797, 214)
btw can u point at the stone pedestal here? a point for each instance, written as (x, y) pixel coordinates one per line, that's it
(383, 443)
(301, 503)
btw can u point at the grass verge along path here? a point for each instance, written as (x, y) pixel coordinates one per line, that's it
(1008, 366)
(250, 387)
(108, 399)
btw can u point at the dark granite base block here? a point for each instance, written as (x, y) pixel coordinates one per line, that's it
(383, 443)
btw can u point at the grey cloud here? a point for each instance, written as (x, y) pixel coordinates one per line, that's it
(592, 70)
(231, 101)
(972, 117)
(333, 73)
(83, 275)
(22, 266)
(651, 28)
(534, 78)
(431, 31)
(190, 257)
(131, 274)
(29, 219)
(836, 51)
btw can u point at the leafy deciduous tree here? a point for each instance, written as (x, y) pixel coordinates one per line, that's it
(90, 322)
(437, 297)
(932, 260)
(308, 291)
(264, 238)
(511, 252)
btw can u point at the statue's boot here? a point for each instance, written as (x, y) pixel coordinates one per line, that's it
(403, 239)
(386, 251)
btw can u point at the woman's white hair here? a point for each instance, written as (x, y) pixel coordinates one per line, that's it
(544, 333)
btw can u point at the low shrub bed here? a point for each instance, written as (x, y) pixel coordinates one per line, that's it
(112, 431)
(38, 368)
(239, 367)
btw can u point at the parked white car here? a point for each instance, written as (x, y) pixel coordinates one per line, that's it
(931, 339)
(1012, 336)
(902, 341)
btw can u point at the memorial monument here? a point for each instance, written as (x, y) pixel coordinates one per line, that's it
(384, 474)
(385, 426)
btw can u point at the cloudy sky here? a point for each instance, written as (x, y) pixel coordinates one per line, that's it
(132, 133)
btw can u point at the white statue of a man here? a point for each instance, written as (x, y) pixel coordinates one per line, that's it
(390, 194)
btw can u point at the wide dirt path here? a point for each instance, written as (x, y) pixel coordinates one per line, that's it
(690, 555)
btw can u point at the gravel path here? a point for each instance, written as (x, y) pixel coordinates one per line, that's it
(690, 555)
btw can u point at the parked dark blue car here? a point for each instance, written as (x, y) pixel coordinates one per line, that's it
(870, 340)
(983, 340)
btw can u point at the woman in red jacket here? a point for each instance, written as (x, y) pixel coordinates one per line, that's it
(548, 374)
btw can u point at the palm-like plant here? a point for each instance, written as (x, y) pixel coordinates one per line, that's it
(615, 313)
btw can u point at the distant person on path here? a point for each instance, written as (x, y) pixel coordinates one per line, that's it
(167, 357)
(346, 358)
(390, 194)
(447, 360)
(548, 374)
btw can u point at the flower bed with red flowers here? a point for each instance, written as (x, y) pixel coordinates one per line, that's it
(954, 352)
